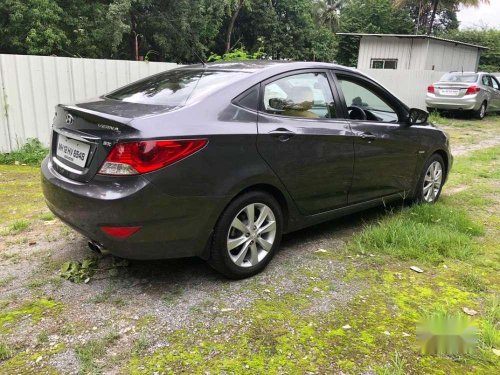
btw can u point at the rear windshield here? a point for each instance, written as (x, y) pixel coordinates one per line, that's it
(459, 77)
(175, 87)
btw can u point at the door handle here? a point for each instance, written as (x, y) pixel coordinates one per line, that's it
(282, 134)
(368, 136)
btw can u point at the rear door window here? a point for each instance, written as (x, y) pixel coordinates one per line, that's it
(301, 95)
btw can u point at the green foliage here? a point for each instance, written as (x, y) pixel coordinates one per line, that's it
(490, 38)
(369, 16)
(234, 55)
(32, 26)
(31, 153)
(78, 272)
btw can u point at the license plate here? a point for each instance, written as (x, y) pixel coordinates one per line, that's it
(448, 92)
(73, 151)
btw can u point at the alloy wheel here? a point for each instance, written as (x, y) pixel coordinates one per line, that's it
(432, 181)
(251, 235)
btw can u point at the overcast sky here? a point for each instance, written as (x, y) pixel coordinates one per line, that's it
(488, 15)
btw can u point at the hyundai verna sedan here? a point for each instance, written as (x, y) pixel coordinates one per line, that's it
(477, 93)
(219, 160)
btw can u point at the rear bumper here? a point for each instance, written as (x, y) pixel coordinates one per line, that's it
(172, 227)
(471, 102)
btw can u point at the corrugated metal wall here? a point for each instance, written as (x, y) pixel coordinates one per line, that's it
(32, 85)
(410, 86)
(417, 54)
(444, 56)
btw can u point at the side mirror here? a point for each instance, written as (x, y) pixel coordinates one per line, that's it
(417, 116)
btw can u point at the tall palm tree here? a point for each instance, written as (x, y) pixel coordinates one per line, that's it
(327, 12)
(434, 4)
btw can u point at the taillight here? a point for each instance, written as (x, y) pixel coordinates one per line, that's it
(120, 232)
(130, 158)
(430, 89)
(472, 90)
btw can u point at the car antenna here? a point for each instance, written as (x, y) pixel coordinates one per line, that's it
(199, 58)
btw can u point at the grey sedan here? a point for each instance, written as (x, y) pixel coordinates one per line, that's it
(219, 160)
(477, 93)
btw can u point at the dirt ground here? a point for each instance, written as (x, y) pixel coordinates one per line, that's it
(152, 316)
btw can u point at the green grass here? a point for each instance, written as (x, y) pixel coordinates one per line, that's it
(472, 282)
(16, 227)
(91, 351)
(428, 233)
(47, 216)
(5, 351)
(31, 153)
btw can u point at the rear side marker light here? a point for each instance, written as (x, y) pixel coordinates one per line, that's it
(471, 90)
(430, 89)
(120, 232)
(132, 158)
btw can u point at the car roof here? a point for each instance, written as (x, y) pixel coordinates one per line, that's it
(252, 66)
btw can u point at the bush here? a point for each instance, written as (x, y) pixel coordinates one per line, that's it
(31, 153)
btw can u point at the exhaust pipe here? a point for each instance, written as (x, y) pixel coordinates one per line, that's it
(95, 246)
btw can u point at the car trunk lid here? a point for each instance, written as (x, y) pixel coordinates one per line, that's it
(83, 134)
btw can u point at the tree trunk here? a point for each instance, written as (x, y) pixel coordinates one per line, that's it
(433, 15)
(231, 26)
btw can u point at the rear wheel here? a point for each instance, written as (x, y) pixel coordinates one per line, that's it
(431, 180)
(481, 112)
(247, 235)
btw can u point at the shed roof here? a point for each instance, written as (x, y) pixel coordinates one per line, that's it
(415, 37)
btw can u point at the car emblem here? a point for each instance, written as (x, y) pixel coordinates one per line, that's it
(69, 119)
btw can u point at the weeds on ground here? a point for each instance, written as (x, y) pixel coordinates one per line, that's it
(89, 352)
(79, 272)
(472, 282)
(31, 153)
(5, 351)
(16, 227)
(426, 233)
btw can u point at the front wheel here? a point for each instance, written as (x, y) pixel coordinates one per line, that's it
(247, 235)
(431, 180)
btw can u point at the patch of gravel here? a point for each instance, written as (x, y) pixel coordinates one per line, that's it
(465, 149)
(67, 362)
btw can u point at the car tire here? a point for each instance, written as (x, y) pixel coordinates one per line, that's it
(431, 180)
(242, 246)
(481, 112)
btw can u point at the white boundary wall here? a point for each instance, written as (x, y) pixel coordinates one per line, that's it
(31, 86)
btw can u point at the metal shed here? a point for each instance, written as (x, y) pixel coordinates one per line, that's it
(415, 52)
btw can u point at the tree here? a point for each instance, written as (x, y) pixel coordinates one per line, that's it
(428, 13)
(369, 16)
(327, 12)
(32, 27)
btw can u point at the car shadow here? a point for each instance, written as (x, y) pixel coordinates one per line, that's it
(195, 270)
